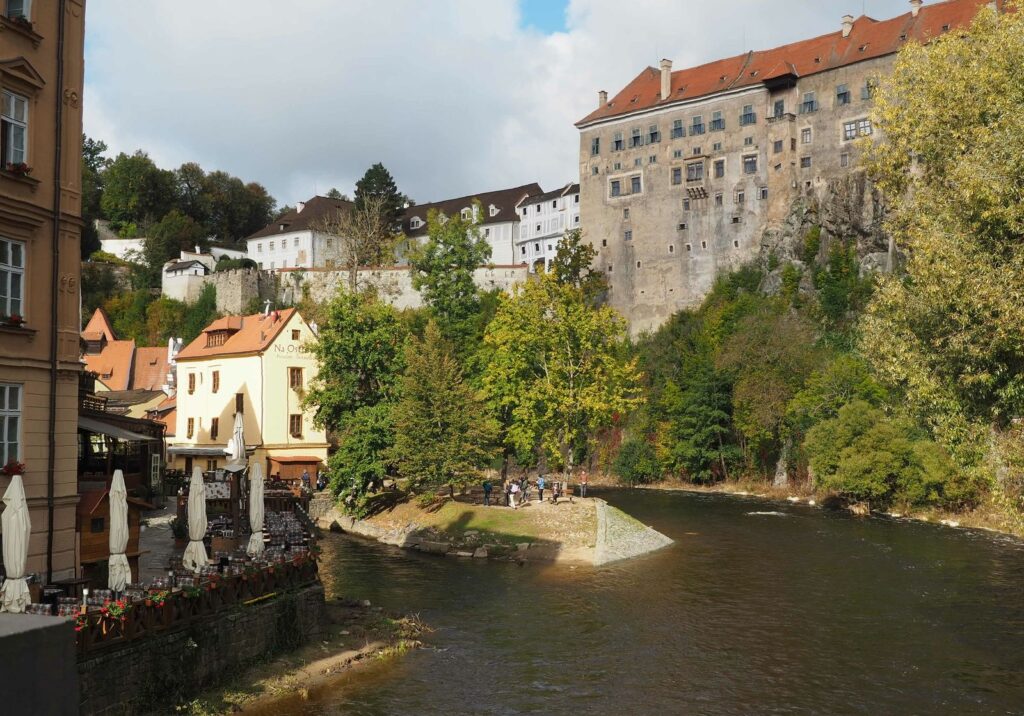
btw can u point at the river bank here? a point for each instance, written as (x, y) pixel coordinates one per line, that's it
(988, 516)
(577, 531)
(358, 634)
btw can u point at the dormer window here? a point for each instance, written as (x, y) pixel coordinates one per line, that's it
(465, 214)
(216, 338)
(492, 210)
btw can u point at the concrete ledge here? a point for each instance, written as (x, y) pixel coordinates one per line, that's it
(620, 536)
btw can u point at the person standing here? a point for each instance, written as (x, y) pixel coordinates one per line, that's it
(508, 492)
(305, 478)
(512, 495)
(583, 483)
(540, 488)
(487, 493)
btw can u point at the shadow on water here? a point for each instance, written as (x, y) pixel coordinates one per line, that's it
(757, 608)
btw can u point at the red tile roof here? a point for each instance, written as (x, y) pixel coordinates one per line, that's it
(250, 334)
(150, 371)
(868, 39)
(99, 325)
(113, 365)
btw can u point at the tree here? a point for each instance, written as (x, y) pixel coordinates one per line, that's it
(193, 200)
(637, 463)
(236, 209)
(699, 425)
(136, 193)
(573, 264)
(93, 164)
(948, 333)
(174, 233)
(378, 183)
(558, 368)
(443, 432)
(360, 357)
(364, 237)
(362, 461)
(442, 271)
(335, 194)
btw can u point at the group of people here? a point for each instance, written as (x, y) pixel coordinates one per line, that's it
(518, 492)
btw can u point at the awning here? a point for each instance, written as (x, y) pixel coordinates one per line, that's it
(196, 451)
(98, 426)
(292, 459)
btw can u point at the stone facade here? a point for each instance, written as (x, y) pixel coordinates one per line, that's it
(154, 673)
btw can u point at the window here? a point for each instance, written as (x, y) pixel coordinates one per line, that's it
(653, 134)
(719, 168)
(792, 144)
(689, 247)
(741, 197)
(625, 213)
(653, 159)
(259, 248)
(735, 244)
(295, 425)
(239, 402)
(842, 95)
(604, 242)
(191, 429)
(638, 264)
(805, 162)
(296, 241)
(681, 226)
(295, 378)
(844, 160)
(595, 170)
(856, 128)
(617, 143)
(96, 525)
(576, 219)
(191, 383)
(638, 162)
(750, 164)
(677, 129)
(779, 109)
(610, 267)
(636, 138)
(12, 278)
(211, 465)
(627, 235)
(19, 8)
(697, 152)
(695, 171)
(216, 381)
(718, 199)
(416, 222)
(634, 185)
(617, 166)
(295, 334)
(748, 141)
(717, 122)
(13, 130)
(536, 246)
(686, 204)
(677, 153)
(810, 104)
(216, 338)
(716, 147)
(805, 135)
(616, 188)
(595, 146)
(748, 116)
(671, 249)
(868, 90)
(703, 244)
(10, 423)
(538, 228)
(214, 428)
(271, 245)
(677, 175)
(762, 193)
(697, 126)
(522, 250)
(778, 146)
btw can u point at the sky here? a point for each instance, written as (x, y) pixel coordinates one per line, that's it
(454, 97)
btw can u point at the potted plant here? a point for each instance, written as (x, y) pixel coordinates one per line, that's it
(20, 168)
(13, 467)
(21, 20)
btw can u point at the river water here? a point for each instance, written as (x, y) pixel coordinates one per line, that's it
(759, 608)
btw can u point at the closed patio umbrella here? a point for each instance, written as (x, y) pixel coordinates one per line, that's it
(236, 446)
(256, 510)
(119, 573)
(195, 553)
(14, 594)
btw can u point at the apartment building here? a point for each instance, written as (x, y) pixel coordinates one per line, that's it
(41, 75)
(258, 366)
(683, 171)
(544, 219)
(499, 224)
(301, 238)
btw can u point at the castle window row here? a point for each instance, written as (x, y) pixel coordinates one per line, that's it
(808, 105)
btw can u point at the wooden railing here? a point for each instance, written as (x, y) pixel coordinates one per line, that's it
(97, 631)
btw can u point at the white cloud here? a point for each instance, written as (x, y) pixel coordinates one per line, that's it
(453, 96)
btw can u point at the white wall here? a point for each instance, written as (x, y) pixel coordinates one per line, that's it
(289, 250)
(121, 247)
(542, 227)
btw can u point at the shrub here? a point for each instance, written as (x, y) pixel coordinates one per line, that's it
(812, 243)
(637, 463)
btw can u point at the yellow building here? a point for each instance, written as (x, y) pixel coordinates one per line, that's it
(41, 74)
(258, 366)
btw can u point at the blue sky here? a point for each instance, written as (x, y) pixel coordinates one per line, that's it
(453, 96)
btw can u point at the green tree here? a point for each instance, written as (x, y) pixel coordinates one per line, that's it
(193, 201)
(573, 265)
(442, 271)
(136, 193)
(360, 356)
(99, 282)
(174, 233)
(93, 164)
(236, 209)
(558, 368)
(637, 463)
(699, 426)
(443, 432)
(358, 468)
(198, 316)
(948, 334)
(378, 183)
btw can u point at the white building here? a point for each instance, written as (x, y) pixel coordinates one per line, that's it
(183, 278)
(544, 219)
(499, 225)
(297, 239)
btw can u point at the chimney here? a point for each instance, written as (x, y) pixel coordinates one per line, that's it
(915, 7)
(299, 206)
(602, 99)
(666, 79)
(847, 25)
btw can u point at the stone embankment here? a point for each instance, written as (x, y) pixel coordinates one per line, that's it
(587, 531)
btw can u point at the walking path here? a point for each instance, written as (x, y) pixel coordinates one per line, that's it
(156, 543)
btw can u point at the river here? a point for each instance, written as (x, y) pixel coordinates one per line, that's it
(758, 608)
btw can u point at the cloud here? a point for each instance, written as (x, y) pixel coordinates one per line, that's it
(453, 96)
